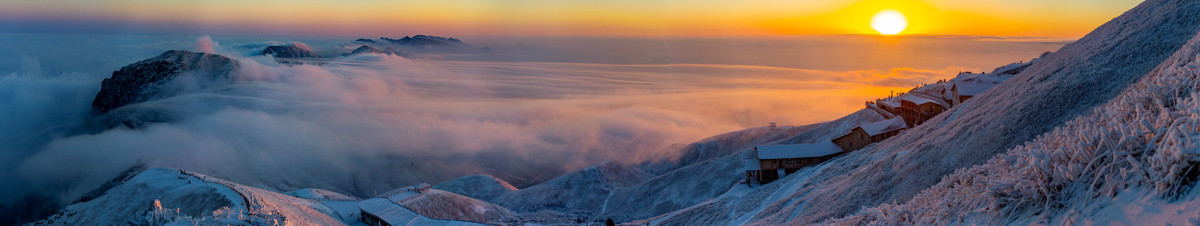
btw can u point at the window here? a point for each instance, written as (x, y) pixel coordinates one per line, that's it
(787, 162)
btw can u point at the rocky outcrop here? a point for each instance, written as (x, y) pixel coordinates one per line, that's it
(294, 50)
(368, 49)
(148, 79)
(426, 40)
(365, 49)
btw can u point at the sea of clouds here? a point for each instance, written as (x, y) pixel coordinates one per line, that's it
(366, 124)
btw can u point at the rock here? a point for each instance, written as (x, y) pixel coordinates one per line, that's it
(368, 49)
(365, 49)
(294, 50)
(147, 79)
(430, 42)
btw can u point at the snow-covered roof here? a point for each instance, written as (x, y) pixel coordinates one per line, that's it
(792, 151)
(890, 102)
(917, 100)
(1012, 68)
(398, 197)
(753, 164)
(972, 88)
(880, 127)
(389, 212)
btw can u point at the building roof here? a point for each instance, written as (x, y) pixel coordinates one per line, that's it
(923, 98)
(881, 127)
(890, 102)
(917, 100)
(791, 151)
(389, 212)
(753, 164)
(972, 88)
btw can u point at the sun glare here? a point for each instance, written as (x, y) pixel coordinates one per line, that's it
(889, 22)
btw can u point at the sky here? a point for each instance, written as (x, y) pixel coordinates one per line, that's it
(622, 18)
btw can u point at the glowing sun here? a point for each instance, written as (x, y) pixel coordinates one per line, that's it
(889, 22)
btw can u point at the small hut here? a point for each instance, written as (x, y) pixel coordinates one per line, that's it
(776, 161)
(870, 133)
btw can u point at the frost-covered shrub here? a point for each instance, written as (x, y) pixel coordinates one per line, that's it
(1145, 140)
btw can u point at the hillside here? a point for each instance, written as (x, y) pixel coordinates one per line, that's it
(161, 195)
(581, 192)
(1130, 160)
(477, 186)
(1103, 130)
(439, 204)
(1060, 87)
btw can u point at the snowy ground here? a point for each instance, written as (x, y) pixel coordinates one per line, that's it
(1104, 130)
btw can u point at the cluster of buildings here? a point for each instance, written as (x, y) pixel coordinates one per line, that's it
(902, 111)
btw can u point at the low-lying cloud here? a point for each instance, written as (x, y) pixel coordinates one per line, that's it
(368, 123)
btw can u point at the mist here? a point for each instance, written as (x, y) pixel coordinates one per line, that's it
(366, 124)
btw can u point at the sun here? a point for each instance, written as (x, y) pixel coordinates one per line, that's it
(889, 22)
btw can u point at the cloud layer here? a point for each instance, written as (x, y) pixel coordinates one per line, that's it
(365, 124)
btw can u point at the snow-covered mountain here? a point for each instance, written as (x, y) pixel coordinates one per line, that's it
(1060, 87)
(480, 186)
(170, 73)
(161, 195)
(291, 50)
(368, 49)
(147, 79)
(1103, 130)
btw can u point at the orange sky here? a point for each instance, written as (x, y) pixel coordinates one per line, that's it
(1049, 18)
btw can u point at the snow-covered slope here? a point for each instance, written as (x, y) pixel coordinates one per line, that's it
(1103, 130)
(1060, 87)
(718, 146)
(479, 186)
(440, 204)
(162, 195)
(624, 193)
(1131, 160)
(170, 196)
(697, 183)
(321, 195)
(580, 192)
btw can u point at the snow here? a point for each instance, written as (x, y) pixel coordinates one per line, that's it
(1106, 130)
(917, 100)
(346, 210)
(880, 127)
(719, 146)
(581, 192)
(479, 186)
(189, 198)
(972, 88)
(1060, 87)
(320, 195)
(162, 196)
(439, 204)
(387, 211)
(1127, 161)
(791, 151)
(699, 182)
(890, 102)
(753, 164)
(1046, 95)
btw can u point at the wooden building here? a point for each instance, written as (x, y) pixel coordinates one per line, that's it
(962, 91)
(870, 133)
(890, 104)
(916, 110)
(776, 161)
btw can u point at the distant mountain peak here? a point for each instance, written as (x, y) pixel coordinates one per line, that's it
(144, 80)
(291, 50)
(430, 42)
